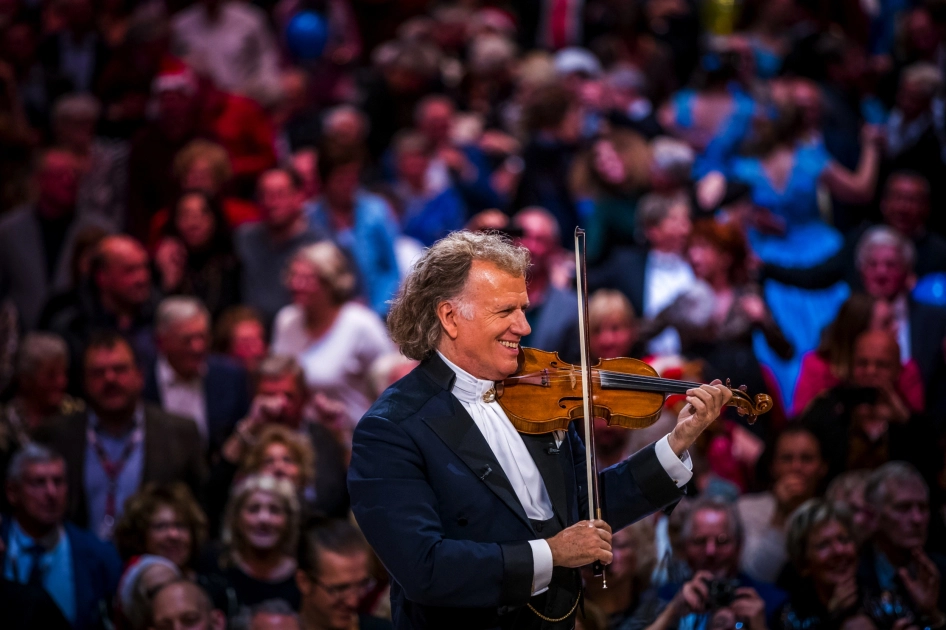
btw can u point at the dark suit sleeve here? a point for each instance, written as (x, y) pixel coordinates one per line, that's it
(631, 490)
(396, 509)
(821, 276)
(195, 475)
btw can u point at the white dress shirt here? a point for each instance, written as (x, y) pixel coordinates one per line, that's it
(901, 318)
(520, 469)
(666, 276)
(182, 397)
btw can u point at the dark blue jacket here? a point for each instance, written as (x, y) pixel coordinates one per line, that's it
(96, 568)
(434, 503)
(226, 394)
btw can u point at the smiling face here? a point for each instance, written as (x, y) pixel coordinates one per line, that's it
(482, 328)
(830, 555)
(280, 462)
(169, 536)
(263, 521)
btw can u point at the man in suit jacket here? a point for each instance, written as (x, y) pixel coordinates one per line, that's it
(211, 390)
(478, 525)
(78, 571)
(36, 241)
(120, 443)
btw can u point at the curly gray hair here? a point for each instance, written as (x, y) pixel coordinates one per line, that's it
(440, 276)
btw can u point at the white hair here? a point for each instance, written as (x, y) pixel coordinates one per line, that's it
(885, 236)
(37, 349)
(672, 156)
(926, 76)
(76, 107)
(176, 309)
(27, 456)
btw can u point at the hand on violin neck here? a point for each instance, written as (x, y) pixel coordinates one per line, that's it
(581, 544)
(704, 406)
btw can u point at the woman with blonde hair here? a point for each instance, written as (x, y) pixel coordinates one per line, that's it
(323, 323)
(260, 536)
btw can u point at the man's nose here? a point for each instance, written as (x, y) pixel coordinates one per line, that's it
(521, 326)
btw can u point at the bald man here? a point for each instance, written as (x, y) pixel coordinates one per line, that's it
(120, 299)
(183, 604)
(864, 422)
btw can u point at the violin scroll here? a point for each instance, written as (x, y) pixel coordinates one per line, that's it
(747, 406)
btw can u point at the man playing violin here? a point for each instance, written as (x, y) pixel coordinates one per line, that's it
(480, 526)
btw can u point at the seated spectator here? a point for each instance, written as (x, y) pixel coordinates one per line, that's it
(798, 471)
(78, 571)
(36, 240)
(717, 316)
(77, 37)
(264, 248)
(101, 163)
(273, 614)
(628, 601)
(830, 363)
(281, 398)
(204, 166)
(847, 491)
(241, 335)
(333, 578)
(894, 569)
(426, 213)
(653, 277)
(613, 327)
(552, 309)
(333, 338)
(864, 423)
(189, 381)
(822, 549)
(120, 443)
(163, 520)
(195, 256)
(389, 369)
(41, 380)
(712, 536)
(119, 297)
(360, 223)
(260, 534)
(142, 579)
(183, 604)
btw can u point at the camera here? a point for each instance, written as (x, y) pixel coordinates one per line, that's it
(721, 593)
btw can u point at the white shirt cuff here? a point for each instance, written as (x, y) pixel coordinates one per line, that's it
(541, 566)
(680, 469)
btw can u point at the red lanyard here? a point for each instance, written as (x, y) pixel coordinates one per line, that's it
(113, 468)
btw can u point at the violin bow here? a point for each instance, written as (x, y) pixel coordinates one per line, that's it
(584, 335)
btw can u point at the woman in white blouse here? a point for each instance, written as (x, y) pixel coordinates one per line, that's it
(334, 339)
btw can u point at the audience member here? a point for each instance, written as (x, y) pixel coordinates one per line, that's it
(864, 423)
(847, 492)
(360, 223)
(36, 241)
(274, 614)
(120, 443)
(260, 535)
(142, 579)
(613, 326)
(163, 520)
(195, 256)
(552, 308)
(830, 363)
(823, 551)
(333, 578)
(323, 323)
(712, 538)
(183, 604)
(75, 55)
(652, 278)
(797, 471)
(188, 380)
(893, 568)
(41, 381)
(241, 335)
(77, 570)
(264, 249)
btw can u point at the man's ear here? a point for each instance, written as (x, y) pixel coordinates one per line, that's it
(218, 620)
(447, 313)
(303, 582)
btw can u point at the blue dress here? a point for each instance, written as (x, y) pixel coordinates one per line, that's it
(808, 241)
(729, 136)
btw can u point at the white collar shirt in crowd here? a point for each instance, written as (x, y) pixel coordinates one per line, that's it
(666, 276)
(901, 318)
(518, 466)
(182, 397)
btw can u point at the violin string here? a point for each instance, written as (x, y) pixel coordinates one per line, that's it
(617, 377)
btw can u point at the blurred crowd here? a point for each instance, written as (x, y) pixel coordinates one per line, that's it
(206, 207)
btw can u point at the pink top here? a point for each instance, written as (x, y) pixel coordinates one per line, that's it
(816, 376)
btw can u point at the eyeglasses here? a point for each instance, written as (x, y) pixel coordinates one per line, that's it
(161, 527)
(338, 591)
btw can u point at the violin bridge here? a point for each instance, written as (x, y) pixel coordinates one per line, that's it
(574, 380)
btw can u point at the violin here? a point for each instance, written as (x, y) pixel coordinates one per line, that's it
(545, 393)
